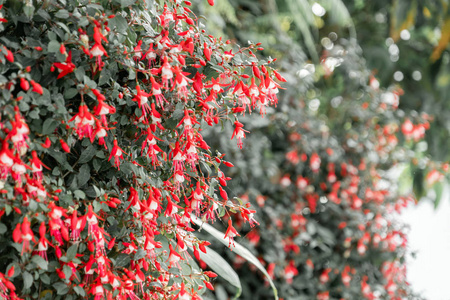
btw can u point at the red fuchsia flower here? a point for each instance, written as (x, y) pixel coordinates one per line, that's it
(24, 84)
(188, 121)
(171, 208)
(97, 291)
(156, 119)
(97, 49)
(182, 82)
(150, 55)
(7, 288)
(196, 199)
(301, 183)
(84, 122)
(242, 93)
(35, 188)
(346, 278)
(100, 132)
(216, 86)
(166, 17)
(151, 147)
(191, 154)
(248, 215)
(76, 226)
(239, 133)
(157, 93)
(43, 242)
(323, 295)
(433, 177)
(166, 73)
(183, 294)
(23, 234)
(36, 165)
(64, 146)
(134, 200)
(137, 51)
(102, 109)
(19, 133)
(198, 83)
(37, 87)
(314, 162)
(2, 20)
(293, 157)
(290, 271)
(174, 258)
(324, 277)
(6, 160)
(142, 100)
(407, 128)
(18, 169)
(66, 67)
(230, 233)
(178, 157)
(117, 153)
(9, 55)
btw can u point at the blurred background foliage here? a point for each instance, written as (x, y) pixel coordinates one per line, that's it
(346, 64)
(403, 42)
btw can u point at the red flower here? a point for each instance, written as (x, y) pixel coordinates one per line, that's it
(84, 122)
(239, 133)
(37, 87)
(117, 153)
(231, 233)
(66, 67)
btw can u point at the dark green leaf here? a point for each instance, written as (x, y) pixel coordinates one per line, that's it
(61, 288)
(49, 126)
(27, 280)
(53, 46)
(87, 154)
(40, 262)
(84, 175)
(122, 260)
(72, 252)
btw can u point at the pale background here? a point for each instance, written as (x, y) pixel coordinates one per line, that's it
(429, 236)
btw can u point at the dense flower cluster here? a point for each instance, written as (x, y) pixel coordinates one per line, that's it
(103, 160)
(326, 193)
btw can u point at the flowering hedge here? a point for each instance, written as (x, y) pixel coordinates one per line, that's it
(103, 160)
(319, 169)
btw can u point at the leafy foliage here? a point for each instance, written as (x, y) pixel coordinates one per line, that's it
(103, 160)
(321, 167)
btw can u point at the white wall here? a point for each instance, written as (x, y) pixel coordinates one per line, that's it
(429, 237)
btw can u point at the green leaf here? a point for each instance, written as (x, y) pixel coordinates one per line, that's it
(87, 155)
(140, 253)
(79, 290)
(120, 23)
(122, 260)
(27, 280)
(79, 194)
(62, 14)
(70, 93)
(222, 268)
(53, 46)
(40, 262)
(3, 228)
(61, 288)
(239, 249)
(72, 252)
(49, 126)
(84, 175)
(125, 3)
(438, 189)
